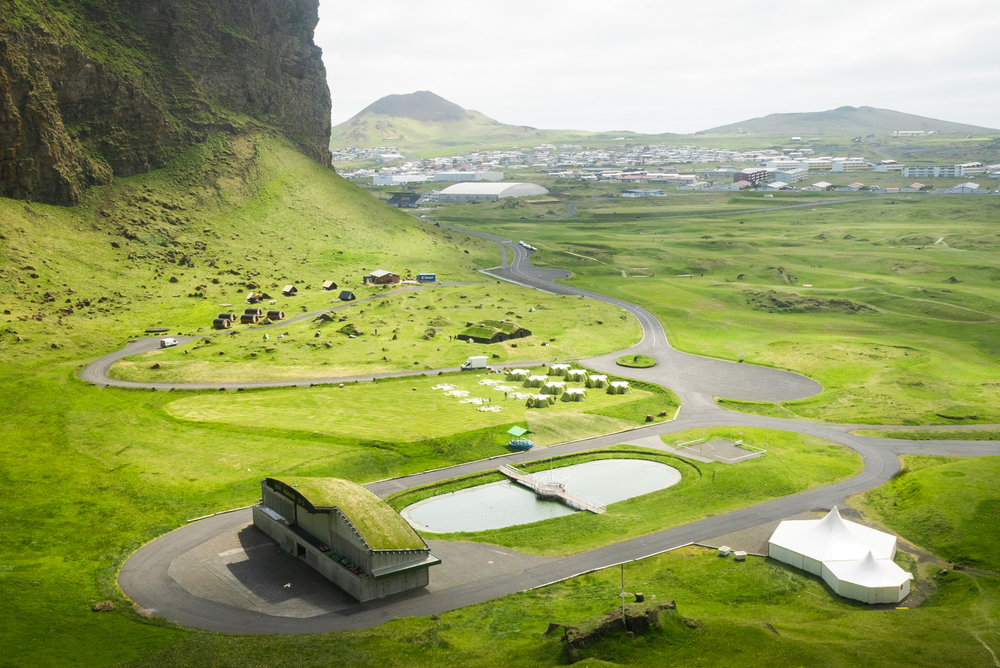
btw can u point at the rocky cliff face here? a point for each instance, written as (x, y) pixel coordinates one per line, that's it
(109, 88)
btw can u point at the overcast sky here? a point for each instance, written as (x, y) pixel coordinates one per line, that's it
(666, 66)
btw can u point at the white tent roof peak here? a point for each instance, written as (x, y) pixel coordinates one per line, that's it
(833, 538)
(869, 572)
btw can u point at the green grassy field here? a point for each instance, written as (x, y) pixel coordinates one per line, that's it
(410, 409)
(891, 304)
(949, 505)
(397, 330)
(794, 462)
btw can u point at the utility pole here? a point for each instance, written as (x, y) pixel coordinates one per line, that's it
(623, 593)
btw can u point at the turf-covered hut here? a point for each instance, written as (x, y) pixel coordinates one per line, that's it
(329, 285)
(347, 533)
(289, 290)
(347, 296)
(381, 277)
(493, 331)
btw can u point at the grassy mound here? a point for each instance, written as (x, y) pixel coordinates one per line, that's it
(636, 361)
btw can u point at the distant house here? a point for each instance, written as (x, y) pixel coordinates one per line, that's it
(819, 186)
(404, 200)
(289, 290)
(968, 188)
(914, 188)
(329, 285)
(381, 277)
(776, 185)
(738, 185)
(850, 188)
(347, 296)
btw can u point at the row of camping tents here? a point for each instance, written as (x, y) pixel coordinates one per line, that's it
(554, 391)
(598, 381)
(250, 316)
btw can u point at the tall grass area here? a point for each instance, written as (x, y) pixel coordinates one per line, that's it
(892, 304)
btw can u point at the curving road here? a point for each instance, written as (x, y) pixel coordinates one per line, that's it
(146, 576)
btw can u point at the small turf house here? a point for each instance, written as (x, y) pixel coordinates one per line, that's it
(381, 277)
(347, 533)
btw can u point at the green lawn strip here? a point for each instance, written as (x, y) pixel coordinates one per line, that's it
(636, 361)
(933, 434)
(794, 463)
(949, 505)
(398, 330)
(398, 409)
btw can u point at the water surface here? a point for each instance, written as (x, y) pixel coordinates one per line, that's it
(504, 504)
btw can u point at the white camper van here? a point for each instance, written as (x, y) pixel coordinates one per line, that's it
(478, 362)
(168, 343)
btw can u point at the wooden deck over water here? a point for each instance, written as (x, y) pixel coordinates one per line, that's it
(557, 491)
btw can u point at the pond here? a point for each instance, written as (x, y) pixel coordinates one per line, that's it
(503, 504)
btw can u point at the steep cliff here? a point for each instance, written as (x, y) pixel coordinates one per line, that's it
(103, 88)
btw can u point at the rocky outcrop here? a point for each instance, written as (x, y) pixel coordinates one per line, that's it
(117, 87)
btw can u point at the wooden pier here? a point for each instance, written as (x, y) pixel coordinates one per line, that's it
(551, 490)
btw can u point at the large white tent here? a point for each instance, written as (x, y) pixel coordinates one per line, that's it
(468, 192)
(855, 560)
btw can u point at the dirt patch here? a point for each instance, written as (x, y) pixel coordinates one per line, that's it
(773, 301)
(639, 618)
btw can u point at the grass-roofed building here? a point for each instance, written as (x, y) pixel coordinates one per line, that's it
(493, 331)
(345, 532)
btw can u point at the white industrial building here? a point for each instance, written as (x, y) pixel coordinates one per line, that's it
(399, 179)
(849, 165)
(347, 533)
(943, 171)
(855, 560)
(469, 192)
(790, 175)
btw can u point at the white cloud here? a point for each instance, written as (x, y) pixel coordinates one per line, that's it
(664, 66)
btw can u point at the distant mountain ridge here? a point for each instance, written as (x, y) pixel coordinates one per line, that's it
(422, 105)
(843, 120)
(422, 119)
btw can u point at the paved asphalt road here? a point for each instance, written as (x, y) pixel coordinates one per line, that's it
(145, 579)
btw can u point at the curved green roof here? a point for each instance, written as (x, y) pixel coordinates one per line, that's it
(381, 527)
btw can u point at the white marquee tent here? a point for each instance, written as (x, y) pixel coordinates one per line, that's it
(855, 560)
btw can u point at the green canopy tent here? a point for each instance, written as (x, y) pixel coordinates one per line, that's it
(520, 441)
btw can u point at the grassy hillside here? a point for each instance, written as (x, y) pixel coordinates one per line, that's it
(172, 247)
(843, 120)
